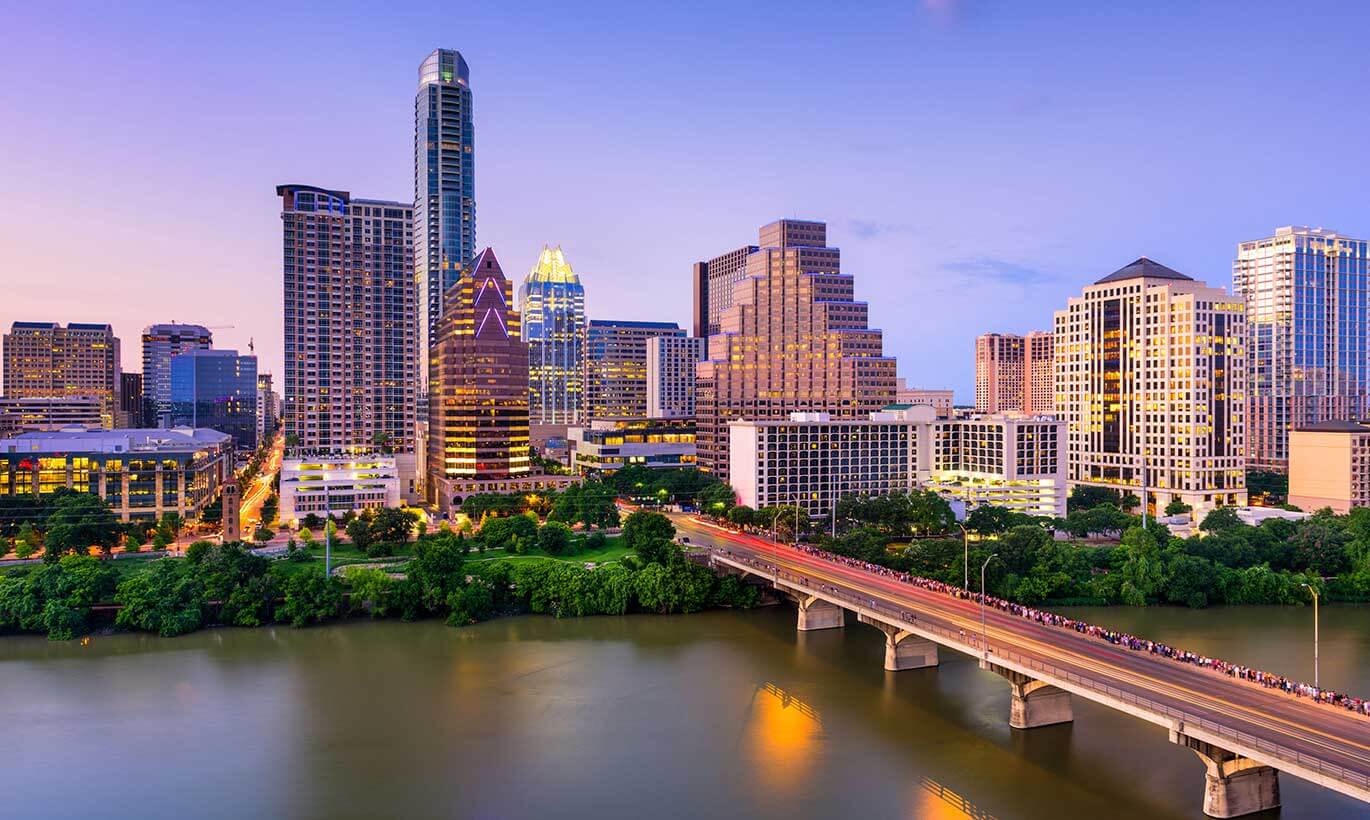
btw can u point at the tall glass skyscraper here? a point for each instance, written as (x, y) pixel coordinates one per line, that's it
(552, 302)
(1307, 325)
(161, 343)
(216, 389)
(444, 187)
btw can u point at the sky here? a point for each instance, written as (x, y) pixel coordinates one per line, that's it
(977, 162)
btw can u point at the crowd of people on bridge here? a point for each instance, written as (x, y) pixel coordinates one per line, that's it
(1269, 680)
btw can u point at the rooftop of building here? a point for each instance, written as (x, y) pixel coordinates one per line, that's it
(120, 440)
(176, 328)
(627, 323)
(58, 326)
(1143, 268)
(444, 65)
(552, 267)
(1336, 426)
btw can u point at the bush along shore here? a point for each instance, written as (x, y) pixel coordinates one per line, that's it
(226, 584)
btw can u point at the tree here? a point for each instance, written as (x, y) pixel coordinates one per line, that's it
(213, 512)
(554, 538)
(371, 589)
(359, 532)
(1222, 519)
(1084, 497)
(1320, 545)
(643, 526)
(988, 519)
(1177, 507)
(173, 522)
(311, 598)
(1141, 569)
(394, 526)
(717, 500)
(55, 597)
(742, 516)
(1129, 502)
(263, 535)
(160, 540)
(167, 599)
(80, 521)
(27, 543)
(270, 507)
(311, 522)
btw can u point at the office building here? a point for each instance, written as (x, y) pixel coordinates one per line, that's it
(713, 288)
(1151, 377)
(1329, 466)
(794, 340)
(162, 343)
(46, 360)
(130, 400)
(616, 367)
(266, 409)
(1307, 293)
(350, 324)
(478, 400)
(338, 481)
(552, 307)
(605, 446)
(216, 389)
(941, 401)
(1015, 374)
(141, 474)
(671, 362)
(33, 415)
(814, 460)
(444, 186)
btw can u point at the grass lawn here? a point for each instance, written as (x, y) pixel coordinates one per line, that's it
(343, 554)
(613, 550)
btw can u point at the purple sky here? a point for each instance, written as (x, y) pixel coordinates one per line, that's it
(976, 162)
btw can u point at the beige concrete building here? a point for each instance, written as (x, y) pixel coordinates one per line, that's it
(671, 362)
(941, 401)
(1151, 377)
(794, 340)
(34, 415)
(46, 360)
(1014, 374)
(1329, 466)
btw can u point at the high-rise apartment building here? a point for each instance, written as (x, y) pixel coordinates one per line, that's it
(1307, 293)
(217, 390)
(47, 360)
(1151, 378)
(162, 343)
(713, 287)
(552, 306)
(671, 363)
(266, 408)
(444, 186)
(130, 400)
(1014, 374)
(616, 367)
(351, 322)
(793, 340)
(478, 377)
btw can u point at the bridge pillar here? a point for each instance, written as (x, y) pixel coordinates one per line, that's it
(816, 613)
(1234, 785)
(1035, 704)
(904, 650)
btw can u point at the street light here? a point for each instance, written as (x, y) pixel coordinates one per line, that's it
(965, 542)
(1315, 633)
(984, 639)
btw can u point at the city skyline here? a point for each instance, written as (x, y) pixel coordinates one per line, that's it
(988, 228)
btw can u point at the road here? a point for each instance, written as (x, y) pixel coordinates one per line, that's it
(1324, 733)
(256, 494)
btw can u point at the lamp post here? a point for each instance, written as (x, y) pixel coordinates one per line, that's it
(1314, 592)
(965, 542)
(984, 639)
(327, 530)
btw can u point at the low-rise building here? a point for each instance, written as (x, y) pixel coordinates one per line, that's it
(340, 481)
(939, 400)
(35, 415)
(814, 461)
(605, 446)
(141, 473)
(1329, 466)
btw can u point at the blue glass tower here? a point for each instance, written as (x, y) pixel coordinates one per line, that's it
(552, 302)
(216, 389)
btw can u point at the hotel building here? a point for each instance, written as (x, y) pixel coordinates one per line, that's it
(478, 401)
(161, 344)
(350, 324)
(814, 460)
(941, 401)
(46, 360)
(793, 339)
(616, 367)
(1307, 293)
(605, 446)
(552, 307)
(671, 362)
(1014, 374)
(141, 474)
(1151, 377)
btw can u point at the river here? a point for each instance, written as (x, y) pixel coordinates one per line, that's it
(716, 715)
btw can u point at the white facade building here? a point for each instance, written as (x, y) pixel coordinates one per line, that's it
(814, 461)
(337, 480)
(606, 445)
(671, 364)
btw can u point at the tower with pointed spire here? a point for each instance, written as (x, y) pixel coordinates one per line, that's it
(478, 384)
(552, 304)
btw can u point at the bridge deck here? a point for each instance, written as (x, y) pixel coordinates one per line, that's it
(1317, 742)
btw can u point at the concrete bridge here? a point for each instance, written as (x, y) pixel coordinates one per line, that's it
(1244, 734)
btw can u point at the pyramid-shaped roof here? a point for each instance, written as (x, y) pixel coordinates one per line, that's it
(552, 267)
(1144, 268)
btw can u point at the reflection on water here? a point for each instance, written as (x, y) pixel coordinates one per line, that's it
(718, 715)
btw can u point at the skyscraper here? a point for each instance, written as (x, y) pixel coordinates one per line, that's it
(444, 186)
(216, 389)
(478, 377)
(1307, 294)
(1014, 374)
(46, 360)
(1151, 377)
(552, 306)
(793, 340)
(160, 344)
(616, 367)
(130, 400)
(350, 321)
(671, 362)
(713, 287)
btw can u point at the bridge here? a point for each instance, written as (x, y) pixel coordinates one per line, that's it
(1243, 733)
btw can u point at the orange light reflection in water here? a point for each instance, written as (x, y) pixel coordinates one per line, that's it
(782, 736)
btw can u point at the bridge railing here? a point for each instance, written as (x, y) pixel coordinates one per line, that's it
(910, 617)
